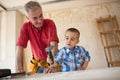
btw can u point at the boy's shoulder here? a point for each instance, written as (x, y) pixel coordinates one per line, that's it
(79, 46)
(63, 48)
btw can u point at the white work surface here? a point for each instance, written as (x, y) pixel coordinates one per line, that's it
(93, 74)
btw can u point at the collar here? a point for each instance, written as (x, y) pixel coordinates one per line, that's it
(68, 50)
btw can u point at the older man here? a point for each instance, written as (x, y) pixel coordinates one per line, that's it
(41, 33)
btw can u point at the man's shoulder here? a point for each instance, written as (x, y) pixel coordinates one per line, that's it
(27, 24)
(48, 21)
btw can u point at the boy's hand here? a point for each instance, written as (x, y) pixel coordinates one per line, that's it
(84, 66)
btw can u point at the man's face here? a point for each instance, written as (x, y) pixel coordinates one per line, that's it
(36, 17)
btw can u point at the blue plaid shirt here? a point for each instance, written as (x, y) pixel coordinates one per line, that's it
(72, 60)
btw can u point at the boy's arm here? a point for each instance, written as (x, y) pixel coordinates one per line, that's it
(86, 61)
(84, 66)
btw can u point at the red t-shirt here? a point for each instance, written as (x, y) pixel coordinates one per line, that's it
(39, 39)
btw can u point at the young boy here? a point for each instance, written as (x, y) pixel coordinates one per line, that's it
(73, 57)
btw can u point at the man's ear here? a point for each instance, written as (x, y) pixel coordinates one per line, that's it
(27, 17)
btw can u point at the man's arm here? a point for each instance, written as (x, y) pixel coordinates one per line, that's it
(19, 60)
(55, 47)
(54, 51)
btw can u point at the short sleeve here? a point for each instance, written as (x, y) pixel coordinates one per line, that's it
(23, 37)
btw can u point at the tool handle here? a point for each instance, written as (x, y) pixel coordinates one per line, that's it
(50, 55)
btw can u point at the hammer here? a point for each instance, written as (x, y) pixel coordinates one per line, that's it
(48, 49)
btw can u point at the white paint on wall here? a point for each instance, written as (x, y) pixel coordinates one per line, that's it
(3, 36)
(0, 34)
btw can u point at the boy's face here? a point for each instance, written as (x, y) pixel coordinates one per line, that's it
(71, 39)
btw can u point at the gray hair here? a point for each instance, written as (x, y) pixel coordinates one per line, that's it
(31, 5)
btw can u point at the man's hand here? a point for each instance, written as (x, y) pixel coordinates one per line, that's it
(19, 69)
(50, 70)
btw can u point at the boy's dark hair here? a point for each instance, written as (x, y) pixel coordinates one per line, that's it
(74, 30)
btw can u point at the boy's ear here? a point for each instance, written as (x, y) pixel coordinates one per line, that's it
(78, 41)
(27, 17)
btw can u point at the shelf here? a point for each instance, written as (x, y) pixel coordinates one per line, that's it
(105, 19)
(114, 62)
(110, 32)
(112, 46)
